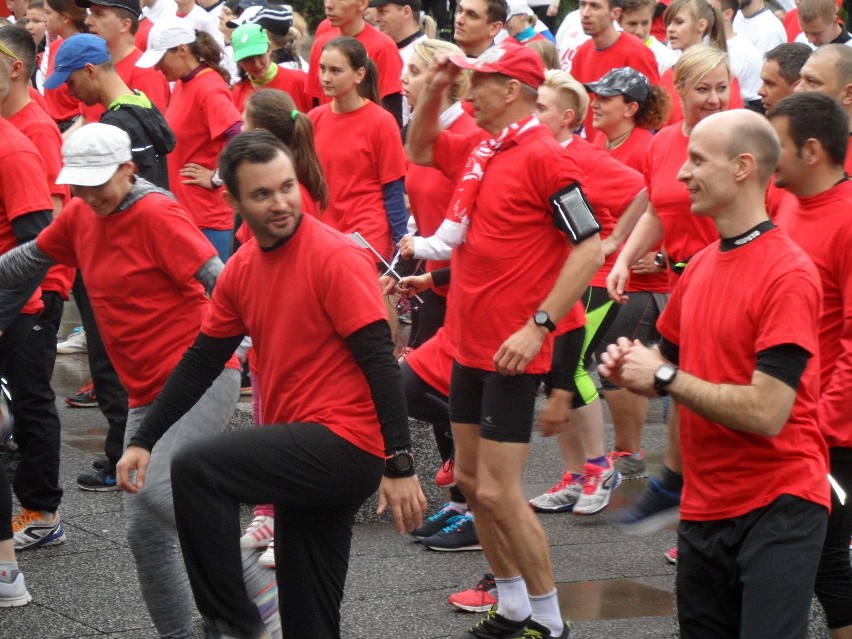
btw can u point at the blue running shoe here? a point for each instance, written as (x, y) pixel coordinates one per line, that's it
(436, 522)
(458, 535)
(656, 509)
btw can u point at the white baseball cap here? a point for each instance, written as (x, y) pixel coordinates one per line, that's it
(92, 154)
(164, 35)
(519, 8)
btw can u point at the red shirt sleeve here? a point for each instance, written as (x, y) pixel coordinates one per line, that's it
(218, 110)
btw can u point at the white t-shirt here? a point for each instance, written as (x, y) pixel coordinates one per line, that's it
(746, 62)
(666, 57)
(763, 29)
(569, 37)
(203, 21)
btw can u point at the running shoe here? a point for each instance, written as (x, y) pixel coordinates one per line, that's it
(628, 465)
(598, 485)
(671, 555)
(535, 630)
(98, 482)
(561, 497)
(259, 533)
(446, 476)
(99, 464)
(656, 509)
(32, 530)
(436, 522)
(74, 343)
(480, 598)
(495, 626)
(14, 592)
(84, 398)
(458, 535)
(267, 557)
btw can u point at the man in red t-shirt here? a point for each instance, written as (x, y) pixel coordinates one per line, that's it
(829, 71)
(608, 49)
(24, 212)
(331, 391)
(515, 275)
(347, 19)
(117, 21)
(820, 225)
(738, 352)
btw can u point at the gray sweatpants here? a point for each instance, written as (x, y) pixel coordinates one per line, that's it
(150, 514)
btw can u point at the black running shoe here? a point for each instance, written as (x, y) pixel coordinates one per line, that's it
(495, 626)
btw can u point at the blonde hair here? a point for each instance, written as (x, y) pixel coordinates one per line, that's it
(572, 93)
(427, 49)
(696, 62)
(547, 51)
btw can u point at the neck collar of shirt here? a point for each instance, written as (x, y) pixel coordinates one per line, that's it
(189, 76)
(406, 41)
(141, 187)
(843, 38)
(731, 243)
(450, 115)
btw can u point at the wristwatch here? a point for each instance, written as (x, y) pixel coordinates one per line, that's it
(542, 318)
(663, 377)
(399, 464)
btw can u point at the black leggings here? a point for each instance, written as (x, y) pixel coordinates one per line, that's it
(317, 482)
(834, 577)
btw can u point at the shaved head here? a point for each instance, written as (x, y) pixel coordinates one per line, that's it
(745, 132)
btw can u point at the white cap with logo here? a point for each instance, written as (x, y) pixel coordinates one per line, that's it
(92, 154)
(164, 35)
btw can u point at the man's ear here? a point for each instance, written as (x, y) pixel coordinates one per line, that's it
(230, 200)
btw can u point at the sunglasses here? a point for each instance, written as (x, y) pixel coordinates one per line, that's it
(5, 49)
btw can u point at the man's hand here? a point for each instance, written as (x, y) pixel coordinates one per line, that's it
(519, 349)
(134, 458)
(441, 73)
(631, 365)
(555, 415)
(406, 247)
(616, 282)
(646, 265)
(197, 175)
(406, 499)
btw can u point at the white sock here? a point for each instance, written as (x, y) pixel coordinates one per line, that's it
(459, 507)
(545, 610)
(513, 601)
(8, 571)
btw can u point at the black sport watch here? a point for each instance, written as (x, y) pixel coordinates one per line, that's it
(663, 377)
(542, 318)
(399, 464)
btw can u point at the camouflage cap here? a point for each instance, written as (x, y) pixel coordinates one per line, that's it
(624, 81)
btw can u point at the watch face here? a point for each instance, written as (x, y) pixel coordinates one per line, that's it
(540, 318)
(402, 462)
(666, 372)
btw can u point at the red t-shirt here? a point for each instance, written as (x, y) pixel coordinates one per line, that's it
(684, 233)
(430, 191)
(307, 372)
(791, 24)
(360, 151)
(433, 361)
(148, 80)
(847, 166)
(381, 50)
(634, 153)
(139, 266)
(291, 81)
(676, 115)
(199, 113)
(821, 227)
(41, 130)
(23, 190)
(60, 105)
(591, 64)
(513, 252)
(726, 308)
(610, 188)
(141, 37)
(309, 206)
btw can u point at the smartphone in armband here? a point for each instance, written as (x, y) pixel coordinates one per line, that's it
(573, 214)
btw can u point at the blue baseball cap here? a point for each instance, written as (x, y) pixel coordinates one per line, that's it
(75, 53)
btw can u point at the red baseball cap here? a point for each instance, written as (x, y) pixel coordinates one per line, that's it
(515, 61)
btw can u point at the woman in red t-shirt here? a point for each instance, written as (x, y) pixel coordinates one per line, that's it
(256, 69)
(626, 108)
(64, 19)
(360, 149)
(689, 22)
(702, 77)
(203, 117)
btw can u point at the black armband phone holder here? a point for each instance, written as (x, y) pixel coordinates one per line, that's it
(573, 214)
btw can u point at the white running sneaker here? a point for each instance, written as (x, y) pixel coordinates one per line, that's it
(74, 343)
(267, 557)
(260, 532)
(13, 593)
(598, 486)
(561, 497)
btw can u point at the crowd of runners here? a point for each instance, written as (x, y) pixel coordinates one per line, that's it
(630, 200)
